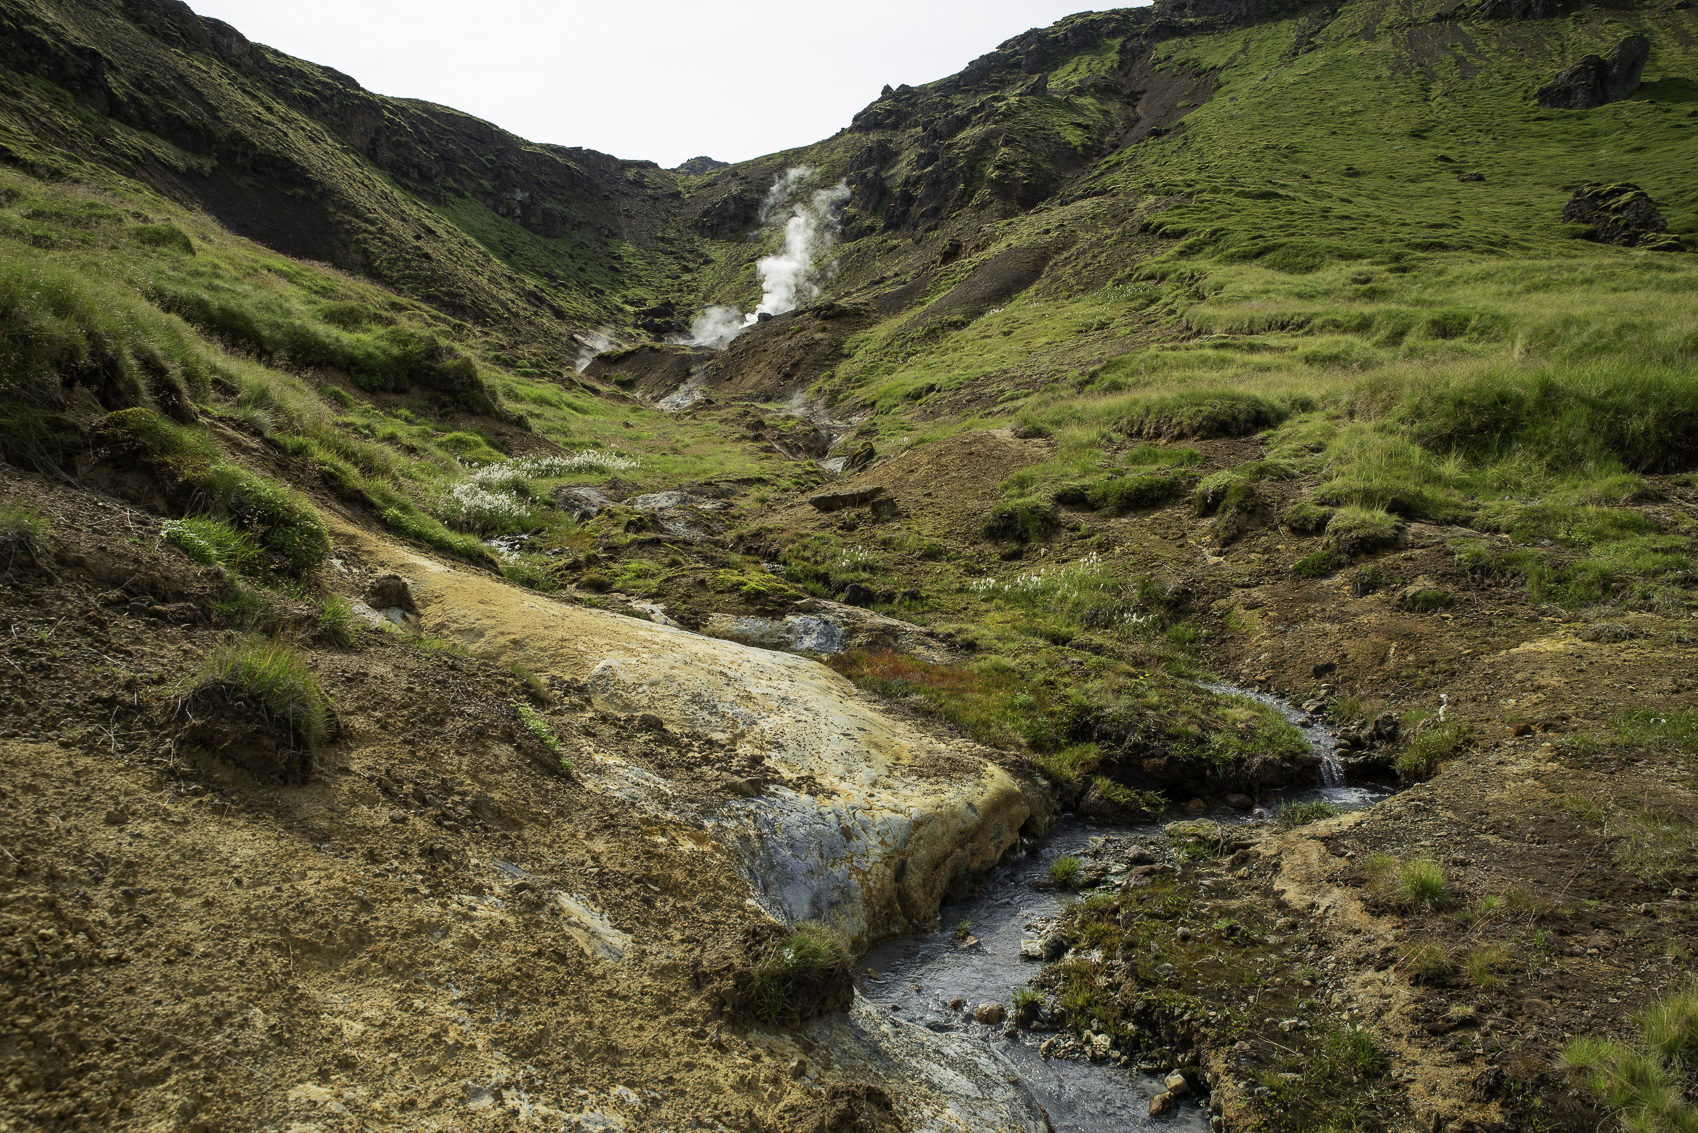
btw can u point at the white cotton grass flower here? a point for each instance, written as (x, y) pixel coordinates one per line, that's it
(472, 507)
(511, 472)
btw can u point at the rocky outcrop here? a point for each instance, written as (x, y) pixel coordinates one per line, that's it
(826, 628)
(869, 847)
(1621, 214)
(853, 818)
(1597, 80)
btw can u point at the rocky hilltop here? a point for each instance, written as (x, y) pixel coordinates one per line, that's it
(501, 636)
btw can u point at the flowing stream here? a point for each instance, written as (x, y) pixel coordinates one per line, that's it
(918, 978)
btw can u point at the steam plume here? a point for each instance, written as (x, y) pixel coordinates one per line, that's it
(591, 343)
(788, 279)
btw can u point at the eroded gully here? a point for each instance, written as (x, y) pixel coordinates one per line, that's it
(937, 981)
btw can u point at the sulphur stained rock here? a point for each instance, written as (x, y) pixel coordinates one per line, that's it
(800, 634)
(826, 628)
(892, 819)
(872, 848)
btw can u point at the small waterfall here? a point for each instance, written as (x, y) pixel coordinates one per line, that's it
(1332, 768)
(1322, 740)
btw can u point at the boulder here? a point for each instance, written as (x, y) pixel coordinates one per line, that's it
(845, 498)
(1597, 80)
(392, 599)
(824, 627)
(1621, 214)
(799, 634)
(857, 595)
(861, 457)
(661, 501)
(582, 503)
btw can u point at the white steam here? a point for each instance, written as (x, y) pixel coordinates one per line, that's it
(717, 326)
(591, 343)
(788, 279)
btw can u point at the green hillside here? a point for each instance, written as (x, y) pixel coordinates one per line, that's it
(1157, 357)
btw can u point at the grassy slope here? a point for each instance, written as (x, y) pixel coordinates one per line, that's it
(1301, 240)
(1297, 265)
(417, 197)
(1310, 168)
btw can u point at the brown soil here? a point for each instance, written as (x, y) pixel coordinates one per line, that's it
(190, 946)
(785, 355)
(187, 946)
(943, 488)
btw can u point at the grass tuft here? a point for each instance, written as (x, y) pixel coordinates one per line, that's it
(1428, 751)
(1642, 1081)
(23, 531)
(1420, 884)
(1064, 871)
(800, 976)
(212, 542)
(272, 679)
(1484, 966)
(531, 720)
(1301, 814)
(338, 624)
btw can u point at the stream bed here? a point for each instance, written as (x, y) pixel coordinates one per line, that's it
(916, 979)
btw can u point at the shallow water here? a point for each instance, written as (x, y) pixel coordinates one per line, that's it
(921, 975)
(916, 978)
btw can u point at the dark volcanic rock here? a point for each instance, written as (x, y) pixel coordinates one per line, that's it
(701, 166)
(1620, 214)
(858, 595)
(837, 501)
(1595, 80)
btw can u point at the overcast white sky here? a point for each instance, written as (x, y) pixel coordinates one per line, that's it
(658, 79)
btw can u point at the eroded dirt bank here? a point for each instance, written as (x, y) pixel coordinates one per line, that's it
(442, 928)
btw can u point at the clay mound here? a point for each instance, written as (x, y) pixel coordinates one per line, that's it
(840, 821)
(653, 371)
(785, 354)
(242, 731)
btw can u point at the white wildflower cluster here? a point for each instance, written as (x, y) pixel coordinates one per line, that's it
(855, 558)
(511, 472)
(491, 498)
(472, 507)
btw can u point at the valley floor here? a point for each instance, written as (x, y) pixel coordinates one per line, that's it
(439, 931)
